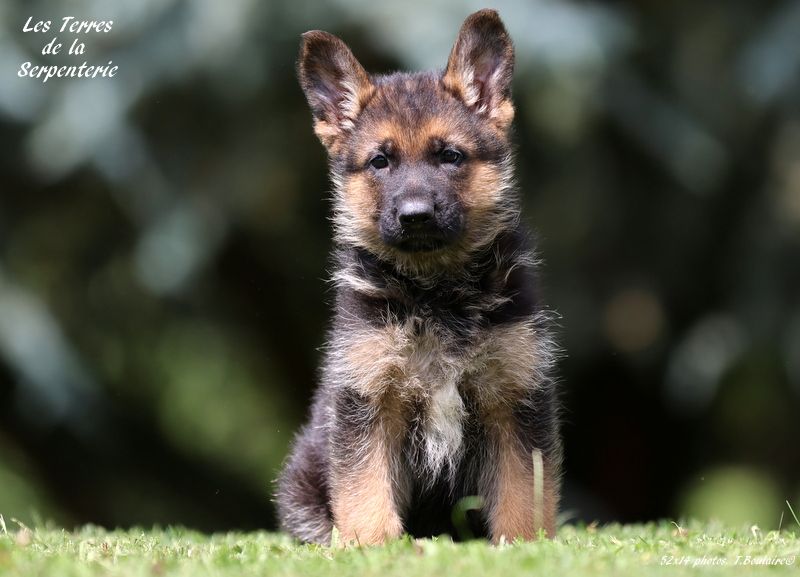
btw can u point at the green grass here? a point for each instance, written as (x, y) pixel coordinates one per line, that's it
(614, 550)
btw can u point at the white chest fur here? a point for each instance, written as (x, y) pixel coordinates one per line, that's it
(434, 371)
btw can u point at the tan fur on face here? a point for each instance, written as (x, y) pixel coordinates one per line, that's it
(356, 212)
(487, 203)
(487, 196)
(414, 142)
(485, 190)
(488, 183)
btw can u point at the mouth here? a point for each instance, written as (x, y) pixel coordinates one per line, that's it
(420, 237)
(421, 243)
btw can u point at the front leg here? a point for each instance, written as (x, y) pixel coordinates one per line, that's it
(366, 446)
(522, 483)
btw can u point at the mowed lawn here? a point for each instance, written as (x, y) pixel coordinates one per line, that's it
(651, 549)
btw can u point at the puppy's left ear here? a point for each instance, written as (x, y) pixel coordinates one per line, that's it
(481, 66)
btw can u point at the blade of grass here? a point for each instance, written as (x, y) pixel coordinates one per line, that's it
(334, 537)
(538, 488)
(788, 504)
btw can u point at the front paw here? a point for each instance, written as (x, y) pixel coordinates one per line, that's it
(368, 528)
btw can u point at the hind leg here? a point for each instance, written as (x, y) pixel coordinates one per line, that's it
(303, 495)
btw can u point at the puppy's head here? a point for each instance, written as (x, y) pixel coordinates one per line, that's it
(420, 162)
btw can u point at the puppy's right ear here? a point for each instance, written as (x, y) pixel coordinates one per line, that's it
(336, 85)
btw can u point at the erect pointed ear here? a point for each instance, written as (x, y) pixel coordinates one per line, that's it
(481, 65)
(336, 85)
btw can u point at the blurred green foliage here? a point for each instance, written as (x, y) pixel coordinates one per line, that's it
(736, 496)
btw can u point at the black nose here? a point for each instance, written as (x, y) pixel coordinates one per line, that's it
(415, 211)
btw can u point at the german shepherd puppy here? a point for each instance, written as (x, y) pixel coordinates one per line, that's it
(436, 382)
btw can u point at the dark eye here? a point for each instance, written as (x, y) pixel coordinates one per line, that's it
(450, 156)
(379, 161)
